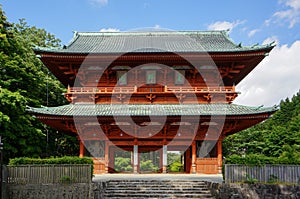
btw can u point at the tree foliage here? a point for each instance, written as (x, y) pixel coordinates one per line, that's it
(24, 81)
(123, 164)
(278, 137)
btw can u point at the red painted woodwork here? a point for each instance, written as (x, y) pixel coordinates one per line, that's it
(94, 79)
(207, 165)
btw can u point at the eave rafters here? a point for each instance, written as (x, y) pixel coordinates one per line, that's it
(232, 66)
(230, 71)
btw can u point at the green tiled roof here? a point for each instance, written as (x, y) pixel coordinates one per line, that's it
(147, 42)
(150, 110)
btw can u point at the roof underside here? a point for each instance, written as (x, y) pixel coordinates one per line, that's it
(87, 110)
(151, 42)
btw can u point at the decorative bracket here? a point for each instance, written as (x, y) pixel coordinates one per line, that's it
(151, 97)
(180, 97)
(121, 97)
(70, 97)
(207, 97)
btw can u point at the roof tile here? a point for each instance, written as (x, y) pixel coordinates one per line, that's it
(146, 42)
(150, 110)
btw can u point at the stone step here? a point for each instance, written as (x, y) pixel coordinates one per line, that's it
(158, 186)
(155, 184)
(156, 189)
(159, 197)
(130, 195)
(156, 181)
(153, 189)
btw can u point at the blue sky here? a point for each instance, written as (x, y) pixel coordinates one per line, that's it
(250, 22)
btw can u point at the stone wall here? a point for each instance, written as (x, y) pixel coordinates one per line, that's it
(55, 191)
(254, 191)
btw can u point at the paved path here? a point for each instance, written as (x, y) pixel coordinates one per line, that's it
(191, 177)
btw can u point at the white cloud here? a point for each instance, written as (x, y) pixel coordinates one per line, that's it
(295, 4)
(290, 14)
(253, 32)
(274, 79)
(98, 2)
(109, 30)
(224, 25)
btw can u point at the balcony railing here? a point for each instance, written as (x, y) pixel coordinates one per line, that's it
(163, 89)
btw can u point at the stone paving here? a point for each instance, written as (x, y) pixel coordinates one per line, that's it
(190, 177)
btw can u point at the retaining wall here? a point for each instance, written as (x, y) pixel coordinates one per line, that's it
(56, 191)
(254, 191)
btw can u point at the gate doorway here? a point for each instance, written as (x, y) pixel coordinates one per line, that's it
(142, 160)
(122, 161)
(175, 162)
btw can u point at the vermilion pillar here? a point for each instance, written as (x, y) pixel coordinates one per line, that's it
(193, 157)
(111, 162)
(219, 145)
(161, 160)
(81, 149)
(106, 156)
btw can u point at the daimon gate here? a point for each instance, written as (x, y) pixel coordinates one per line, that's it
(152, 91)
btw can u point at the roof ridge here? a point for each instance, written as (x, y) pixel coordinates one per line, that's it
(153, 32)
(74, 38)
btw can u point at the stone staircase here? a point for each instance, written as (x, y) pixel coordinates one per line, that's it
(120, 189)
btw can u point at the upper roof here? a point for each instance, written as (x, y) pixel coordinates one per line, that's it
(152, 42)
(87, 110)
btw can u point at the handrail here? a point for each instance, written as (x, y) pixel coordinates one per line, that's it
(166, 89)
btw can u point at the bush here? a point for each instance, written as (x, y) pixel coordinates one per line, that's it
(52, 160)
(250, 180)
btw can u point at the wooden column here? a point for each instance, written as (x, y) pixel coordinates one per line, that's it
(106, 156)
(219, 145)
(111, 164)
(131, 158)
(164, 159)
(193, 157)
(161, 159)
(139, 162)
(187, 162)
(81, 149)
(135, 158)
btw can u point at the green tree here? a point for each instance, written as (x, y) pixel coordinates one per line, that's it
(148, 166)
(24, 81)
(277, 137)
(123, 164)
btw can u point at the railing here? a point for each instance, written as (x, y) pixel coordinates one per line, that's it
(201, 89)
(165, 89)
(48, 174)
(102, 90)
(266, 173)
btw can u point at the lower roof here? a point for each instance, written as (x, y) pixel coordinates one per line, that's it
(102, 110)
